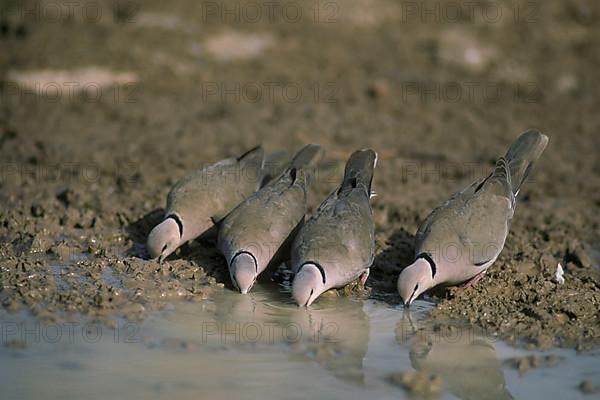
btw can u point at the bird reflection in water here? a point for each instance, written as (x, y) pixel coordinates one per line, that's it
(463, 356)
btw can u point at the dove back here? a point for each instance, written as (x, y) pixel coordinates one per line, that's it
(253, 157)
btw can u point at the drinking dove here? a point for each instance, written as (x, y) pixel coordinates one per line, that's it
(260, 228)
(460, 239)
(204, 196)
(337, 244)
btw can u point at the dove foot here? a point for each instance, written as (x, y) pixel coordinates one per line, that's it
(363, 278)
(473, 281)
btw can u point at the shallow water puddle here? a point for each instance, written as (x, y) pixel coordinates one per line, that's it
(263, 345)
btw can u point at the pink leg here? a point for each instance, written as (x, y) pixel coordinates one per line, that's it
(473, 281)
(363, 277)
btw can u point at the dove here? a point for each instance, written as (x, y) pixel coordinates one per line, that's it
(337, 244)
(260, 228)
(460, 239)
(204, 196)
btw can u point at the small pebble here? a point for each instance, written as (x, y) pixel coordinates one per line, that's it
(559, 275)
(417, 383)
(379, 88)
(16, 344)
(587, 387)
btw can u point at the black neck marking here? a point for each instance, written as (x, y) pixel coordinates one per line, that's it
(410, 299)
(251, 255)
(319, 267)
(427, 257)
(176, 218)
(482, 263)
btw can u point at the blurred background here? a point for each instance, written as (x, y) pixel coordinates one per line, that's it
(168, 86)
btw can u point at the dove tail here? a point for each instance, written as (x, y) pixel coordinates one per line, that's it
(307, 157)
(522, 154)
(254, 155)
(274, 165)
(359, 170)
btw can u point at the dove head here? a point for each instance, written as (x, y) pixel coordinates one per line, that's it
(243, 270)
(308, 284)
(164, 239)
(414, 280)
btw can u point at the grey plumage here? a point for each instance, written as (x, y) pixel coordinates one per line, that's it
(260, 227)
(204, 196)
(463, 237)
(274, 165)
(337, 244)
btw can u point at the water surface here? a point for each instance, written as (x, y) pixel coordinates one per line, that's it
(263, 345)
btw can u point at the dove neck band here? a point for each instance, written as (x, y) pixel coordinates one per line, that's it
(427, 257)
(177, 220)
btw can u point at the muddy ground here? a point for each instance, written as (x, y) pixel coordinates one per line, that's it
(84, 176)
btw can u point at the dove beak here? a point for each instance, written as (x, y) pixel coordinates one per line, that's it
(410, 300)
